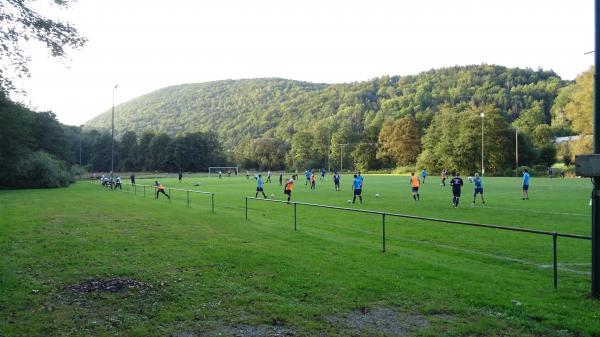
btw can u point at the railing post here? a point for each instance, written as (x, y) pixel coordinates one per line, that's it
(383, 229)
(212, 200)
(144, 190)
(246, 208)
(188, 198)
(555, 265)
(134, 189)
(169, 194)
(295, 221)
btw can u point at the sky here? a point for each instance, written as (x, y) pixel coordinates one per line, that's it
(145, 45)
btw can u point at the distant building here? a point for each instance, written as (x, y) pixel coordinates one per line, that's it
(560, 140)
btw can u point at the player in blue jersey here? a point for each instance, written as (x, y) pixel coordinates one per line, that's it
(456, 182)
(478, 183)
(526, 179)
(323, 174)
(423, 175)
(357, 188)
(307, 174)
(259, 187)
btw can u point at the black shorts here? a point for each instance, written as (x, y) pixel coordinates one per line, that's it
(456, 193)
(478, 190)
(337, 182)
(357, 191)
(415, 189)
(525, 187)
(259, 189)
(288, 192)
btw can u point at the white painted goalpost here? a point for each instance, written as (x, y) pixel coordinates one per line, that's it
(225, 170)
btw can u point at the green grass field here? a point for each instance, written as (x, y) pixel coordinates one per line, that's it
(197, 273)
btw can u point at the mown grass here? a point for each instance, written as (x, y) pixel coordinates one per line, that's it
(206, 272)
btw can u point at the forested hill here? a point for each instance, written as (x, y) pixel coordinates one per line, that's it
(241, 110)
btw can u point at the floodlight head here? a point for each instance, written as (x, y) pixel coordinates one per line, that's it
(482, 115)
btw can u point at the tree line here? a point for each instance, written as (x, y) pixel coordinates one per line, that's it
(38, 151)
(377, 124)
(193, 152)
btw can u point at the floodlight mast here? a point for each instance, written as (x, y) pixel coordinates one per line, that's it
(112, 136)
(596, 180)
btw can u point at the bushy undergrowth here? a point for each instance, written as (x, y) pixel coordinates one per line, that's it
(39, 170)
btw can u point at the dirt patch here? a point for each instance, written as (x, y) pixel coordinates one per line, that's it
(379, 320)
(115, 285)
(251, 331)
(57, 220)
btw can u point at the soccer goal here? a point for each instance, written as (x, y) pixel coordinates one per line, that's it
(225, 170)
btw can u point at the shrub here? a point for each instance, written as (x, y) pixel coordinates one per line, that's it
(39, 169)
(547, 156)
(404, 169)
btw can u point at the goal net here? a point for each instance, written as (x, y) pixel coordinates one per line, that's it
(225, 170)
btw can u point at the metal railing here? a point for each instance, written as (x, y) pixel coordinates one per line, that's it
(554, 235)
(130, 186)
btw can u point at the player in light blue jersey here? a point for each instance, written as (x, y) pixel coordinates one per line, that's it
(259, 187)
(526, 179)
(357, 188)
(478, 183)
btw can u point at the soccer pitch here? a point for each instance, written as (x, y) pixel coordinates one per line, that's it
(200, 273)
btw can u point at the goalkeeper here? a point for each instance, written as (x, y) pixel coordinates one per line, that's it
(160, 188)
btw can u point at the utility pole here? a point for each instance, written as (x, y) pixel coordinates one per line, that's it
(596, 180)
(80, 136)
(517, 151)
(342, 157)
(482, 167)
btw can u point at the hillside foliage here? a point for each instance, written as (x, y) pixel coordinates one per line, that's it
(276, 123)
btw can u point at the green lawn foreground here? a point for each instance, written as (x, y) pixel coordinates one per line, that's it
(203, 274)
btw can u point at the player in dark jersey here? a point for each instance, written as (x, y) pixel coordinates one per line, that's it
(456, 184)
(336, 180)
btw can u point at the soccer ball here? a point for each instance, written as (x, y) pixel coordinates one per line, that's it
(349, 201)
(272, 195)
(377, 195)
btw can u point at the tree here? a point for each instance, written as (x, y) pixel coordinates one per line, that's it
(160, 153)
(453, 141)
(547, 155)
(580, 112)
(100, 159)
(531, 118)
(268, 153)
(19, 24)
(400, 141)
(542, 135)
(144, 160)
(581, 104)
(364, 156)
(126, 151)
(302, 145)
(559, 115)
